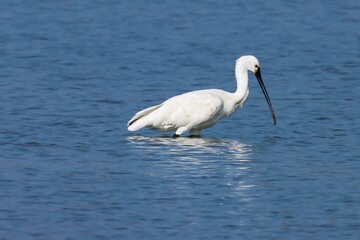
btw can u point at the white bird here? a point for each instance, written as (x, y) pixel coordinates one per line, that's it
(193, 111)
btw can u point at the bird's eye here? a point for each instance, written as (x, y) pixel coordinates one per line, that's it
(256, 66)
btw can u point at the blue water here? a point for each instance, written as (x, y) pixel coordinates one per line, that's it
(72, 73)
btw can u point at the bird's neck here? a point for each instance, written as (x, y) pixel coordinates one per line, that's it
(242, 79)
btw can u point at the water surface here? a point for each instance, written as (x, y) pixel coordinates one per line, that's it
(73, 73)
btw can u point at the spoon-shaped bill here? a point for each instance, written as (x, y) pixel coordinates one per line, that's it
(258, 76)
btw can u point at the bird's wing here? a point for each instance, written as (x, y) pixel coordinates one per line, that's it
(189, 109)
(142, 113)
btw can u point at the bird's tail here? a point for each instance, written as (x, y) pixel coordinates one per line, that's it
(139, 119)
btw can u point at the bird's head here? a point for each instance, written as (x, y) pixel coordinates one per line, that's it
(252, 64)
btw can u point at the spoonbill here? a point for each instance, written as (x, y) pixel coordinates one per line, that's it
(193, 111)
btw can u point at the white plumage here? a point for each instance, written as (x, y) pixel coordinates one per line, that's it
(197, 110)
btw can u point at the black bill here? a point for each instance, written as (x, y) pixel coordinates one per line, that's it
(258, 76)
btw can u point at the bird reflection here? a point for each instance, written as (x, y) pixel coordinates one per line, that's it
(192, 160)
(204, 146)
(186, 152)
